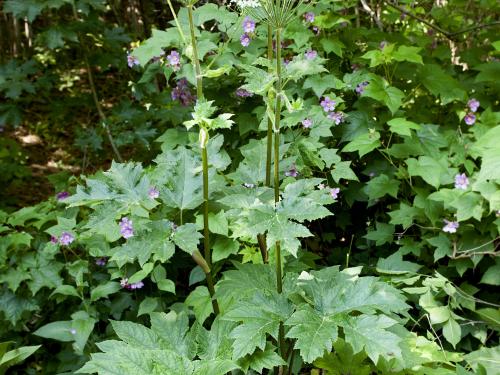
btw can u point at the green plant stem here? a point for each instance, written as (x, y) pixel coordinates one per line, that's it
(206, 233)
(261, 238)
(204, 159)
(196, 61)
(277, 118)
(269, 121)
(176, 21)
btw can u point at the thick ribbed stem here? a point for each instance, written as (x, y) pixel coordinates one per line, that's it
(277, 118)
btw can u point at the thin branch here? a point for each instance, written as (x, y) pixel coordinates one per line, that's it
(372, 14)
(432, 26)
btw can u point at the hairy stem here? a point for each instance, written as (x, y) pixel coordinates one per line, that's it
(196, 61)
(261, 238)
(206, 233)
(277, 118)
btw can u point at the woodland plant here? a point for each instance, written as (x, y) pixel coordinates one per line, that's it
(344, 229)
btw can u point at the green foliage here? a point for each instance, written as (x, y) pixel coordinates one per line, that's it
(395, 183)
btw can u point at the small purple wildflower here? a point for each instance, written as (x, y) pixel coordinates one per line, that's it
(243, 93)
(248, 25)
(450, 226)
(360, 88)
(153, 192)
(337, 117)
(245, 40)
(72, 331)
(126, 228)
(311, 54)
(292, 172)
(461, 181)
(383, 44)
(473, 104)
(470, 118)
(132, 60)
(182, 93)
(62, 195)
(174, 227)
(174, 60)
(328, 104)
(309, 17)
(66, 238)
(137, 285)
(316, 30)
(335, 192)
(101, 262)
(307, 123)
(54, 239)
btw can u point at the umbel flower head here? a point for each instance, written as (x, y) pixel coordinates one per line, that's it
(278, 13)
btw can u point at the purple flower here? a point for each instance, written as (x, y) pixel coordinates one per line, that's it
(328, 104)
(316, 30)
(62, 195)
(182, 93)
(461, 181)
(132, 60)
(153, 193)
(470, 118)
(245, 40)
(248, 25)
(450, 226)
(311, 54)
(292, 172)
(361, 87)
(309, 17)
(383, 44)
(54, 239)
(137, 285)
(307, 123)
(126, 229)
(174, 60)
(101, 262)
(243, 93)
(337, 117)
(473, 104)
(66, 238)
(335, 192)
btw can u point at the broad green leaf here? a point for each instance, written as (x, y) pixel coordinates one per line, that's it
(333, 45)
(402, 126)
(395, 265)
(379, 89)
(262, 359)
(382, 234)
(344, 361)
(364, 143)
(314, 334)
(60, 331)
(15, 356)
(407, 53)
(452, 332)
(488, 358)
(342, 170)
(440, 83)
(370, 333)
(259, 317)
(381, 185)
(434, 171)
(104, 290)
(201, 302)
(187, 237)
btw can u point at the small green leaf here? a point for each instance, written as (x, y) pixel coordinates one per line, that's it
(452, 332)
(104, 290)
